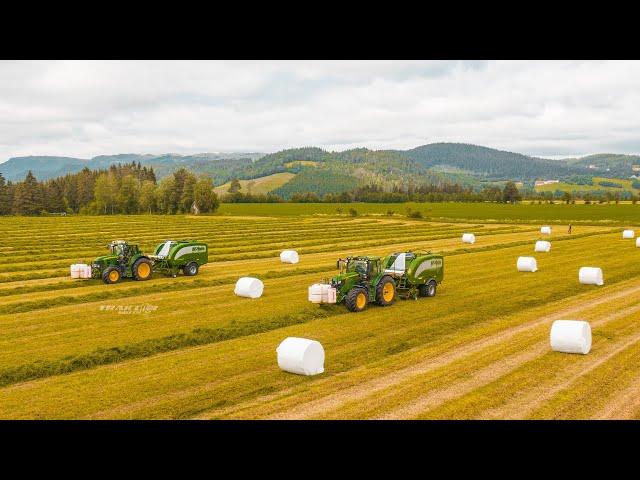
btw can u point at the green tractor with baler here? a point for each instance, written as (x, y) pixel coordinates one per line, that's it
(126, 260)
(370, 279)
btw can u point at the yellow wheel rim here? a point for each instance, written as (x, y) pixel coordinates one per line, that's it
(387, 292)
(361, 300)
(114, 275)
(144, 270)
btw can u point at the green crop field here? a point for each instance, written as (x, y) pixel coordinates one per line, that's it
(454, 212)
(188, 348)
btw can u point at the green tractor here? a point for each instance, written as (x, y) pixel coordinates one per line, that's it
(368, 279)
(126, 260)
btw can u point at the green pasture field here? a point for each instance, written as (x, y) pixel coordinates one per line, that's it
(188, 348)
(453, 211)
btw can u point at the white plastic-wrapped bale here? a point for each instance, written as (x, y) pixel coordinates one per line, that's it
(542, 246)
(75, 270)
(628, 234)
(468, 238)
(80, 271)
(318, 293)
(527, 264)
(289, 256)
(546, 230)
(570, 336)
(322, 293)
(85, 271)
(249, 287)
(301, 356)
(591, 276)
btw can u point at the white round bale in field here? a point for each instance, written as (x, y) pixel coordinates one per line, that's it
(591, 276)
(527, 264)
(289, 256)
(249, 287)
(542, 246)
(628, 234)
(301, 356)
(570, 336)
(546, 230)
(468, 238)
(638, 242)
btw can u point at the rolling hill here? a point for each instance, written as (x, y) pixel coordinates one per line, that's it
(220, 166)
(260, 185)
(313, 169)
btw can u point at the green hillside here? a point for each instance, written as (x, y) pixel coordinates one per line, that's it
(317, 181)
(258, 186)
(490, 163)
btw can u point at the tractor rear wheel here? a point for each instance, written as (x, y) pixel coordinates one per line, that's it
(386, 292)
(356, 300)
(111, 275)
(142, 269)
(429, 289)
(190, 269)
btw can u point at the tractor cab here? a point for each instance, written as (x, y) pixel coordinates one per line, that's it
(122, 249)
(365, 267)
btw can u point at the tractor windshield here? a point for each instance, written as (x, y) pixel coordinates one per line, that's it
(359, 266)
(117, 249)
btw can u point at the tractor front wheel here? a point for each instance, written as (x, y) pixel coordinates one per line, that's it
(428, 290)
(356, 300)
(190, 269)
(386, 292)
(111, 275)
(142, 269)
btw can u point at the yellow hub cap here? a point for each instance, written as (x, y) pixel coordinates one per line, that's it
(114, 275)
(387, 292)
(144, 270)
(361, 300)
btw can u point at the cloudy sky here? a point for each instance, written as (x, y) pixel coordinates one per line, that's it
(549, 109)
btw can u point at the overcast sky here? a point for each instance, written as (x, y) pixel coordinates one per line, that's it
(549, 109)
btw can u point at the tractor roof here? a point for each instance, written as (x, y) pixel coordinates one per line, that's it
(365, 257)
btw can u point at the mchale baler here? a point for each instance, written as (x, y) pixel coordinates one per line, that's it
(365, 279)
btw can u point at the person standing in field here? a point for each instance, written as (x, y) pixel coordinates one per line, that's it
(570, 228)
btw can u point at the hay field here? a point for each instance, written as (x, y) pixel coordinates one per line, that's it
(188, 348)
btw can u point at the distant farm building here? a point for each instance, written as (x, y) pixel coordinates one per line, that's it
(635, 168)
(540, 183)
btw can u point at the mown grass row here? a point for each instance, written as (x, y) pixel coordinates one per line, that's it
(153, 346)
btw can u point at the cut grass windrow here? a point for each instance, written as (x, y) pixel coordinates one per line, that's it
(154, 346)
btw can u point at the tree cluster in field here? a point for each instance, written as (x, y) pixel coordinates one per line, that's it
(129, 188)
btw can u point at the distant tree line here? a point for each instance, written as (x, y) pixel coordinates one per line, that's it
(129, 188)
(594, 196)
(442, 192)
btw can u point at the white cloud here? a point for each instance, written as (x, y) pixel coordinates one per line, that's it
(82, 109)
